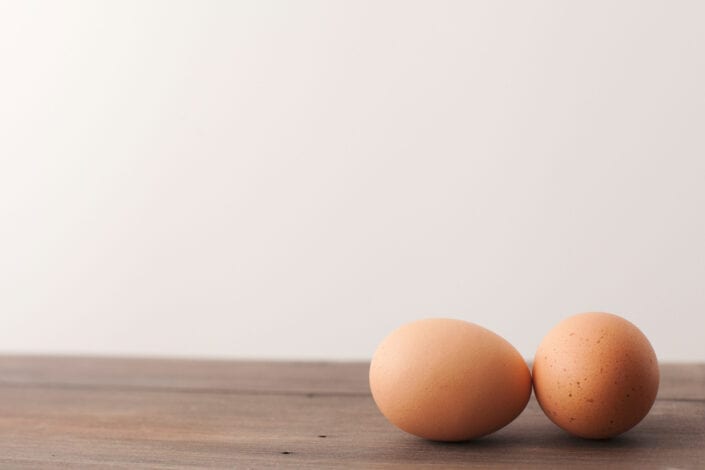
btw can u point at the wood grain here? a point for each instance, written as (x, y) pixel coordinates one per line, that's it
(134, 413)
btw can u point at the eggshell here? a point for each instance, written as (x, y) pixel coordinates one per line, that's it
(595, 375)
(448, 380)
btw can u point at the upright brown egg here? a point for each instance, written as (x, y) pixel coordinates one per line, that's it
(448, 380)
(595, 375)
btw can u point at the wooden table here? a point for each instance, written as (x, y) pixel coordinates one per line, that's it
(165, 413)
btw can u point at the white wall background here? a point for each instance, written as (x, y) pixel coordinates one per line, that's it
(294, 179)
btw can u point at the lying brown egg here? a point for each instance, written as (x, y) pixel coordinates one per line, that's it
(448, 380)
(595, 375)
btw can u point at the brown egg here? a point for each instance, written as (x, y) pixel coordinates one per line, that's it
(448, 380)
(595, 375)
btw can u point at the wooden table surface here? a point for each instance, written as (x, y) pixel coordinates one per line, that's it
(59, 412)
